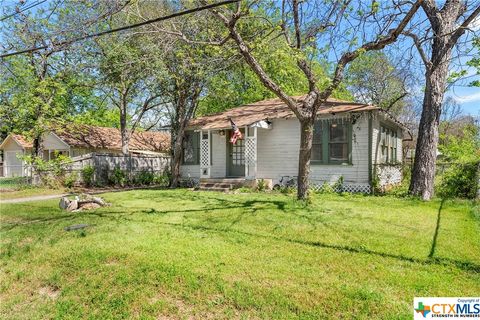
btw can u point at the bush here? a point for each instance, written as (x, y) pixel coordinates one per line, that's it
(145, 178)
(87, 175)
(52, 172)
(460, 180)
(261, 185)
(70, 180)
(162, 179)
(118, 177)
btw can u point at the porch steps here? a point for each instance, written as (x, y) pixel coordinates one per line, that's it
(223, 185)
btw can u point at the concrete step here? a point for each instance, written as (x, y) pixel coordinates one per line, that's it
(223, 180)
(216, 185)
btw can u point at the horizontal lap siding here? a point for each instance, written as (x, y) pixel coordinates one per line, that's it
(190, 171)
(278, 154)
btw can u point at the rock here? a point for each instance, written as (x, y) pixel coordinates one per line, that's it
(73, 205)
(90, 206)
(64, 203)
(100, 201)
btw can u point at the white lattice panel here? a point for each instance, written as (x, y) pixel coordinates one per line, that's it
(352, 188)
(204, 153)
(250, 150)
(389, 174)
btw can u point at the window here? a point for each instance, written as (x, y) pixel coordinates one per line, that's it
(388, 145)
(331, 142)
(317, 154)
(191, 148)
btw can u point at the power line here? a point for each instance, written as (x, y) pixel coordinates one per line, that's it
(174, 15)
(20, 11)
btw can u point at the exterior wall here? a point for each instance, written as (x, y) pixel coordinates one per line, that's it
(12, 166)
(387, 174)
(52, 142)
(278, 150)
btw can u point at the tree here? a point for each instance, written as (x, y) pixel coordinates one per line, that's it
(131, 79)
(300, 31)
(374, 79)
(446, 26)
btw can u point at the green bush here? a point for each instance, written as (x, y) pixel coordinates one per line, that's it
(52, 172)
(145, 178)
(87, 175)
(460, 180)
(261, 185)
(118, 177)
(70, 180)
(162, 179)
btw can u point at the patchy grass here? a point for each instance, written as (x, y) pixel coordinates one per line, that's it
(163, 254)
(25, 192)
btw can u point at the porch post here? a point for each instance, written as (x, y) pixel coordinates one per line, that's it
(251, 153)
(205, 148)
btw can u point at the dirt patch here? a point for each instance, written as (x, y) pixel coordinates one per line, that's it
(51, 292)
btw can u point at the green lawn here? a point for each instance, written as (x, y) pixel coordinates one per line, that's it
(12, 188)
(162, 254)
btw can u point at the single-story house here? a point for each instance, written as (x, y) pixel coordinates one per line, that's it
(359, 143)
(76, 140)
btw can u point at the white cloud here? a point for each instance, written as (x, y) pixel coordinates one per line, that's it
(467, 98)
(475, 24)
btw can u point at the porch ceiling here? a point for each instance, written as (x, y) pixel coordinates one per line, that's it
(269, 109)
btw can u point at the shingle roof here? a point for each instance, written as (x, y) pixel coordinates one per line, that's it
(24, 142)
(84, 136)
(92, 137)
(269, 109)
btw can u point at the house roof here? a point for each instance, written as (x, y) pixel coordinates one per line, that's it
(92, 137)
(270, 109)
(84, 136)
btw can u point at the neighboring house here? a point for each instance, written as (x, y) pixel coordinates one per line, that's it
(76, 140)
(354, 142)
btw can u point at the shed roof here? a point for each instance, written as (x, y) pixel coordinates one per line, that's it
(270, 109)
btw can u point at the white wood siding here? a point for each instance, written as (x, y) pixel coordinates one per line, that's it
(278, 154)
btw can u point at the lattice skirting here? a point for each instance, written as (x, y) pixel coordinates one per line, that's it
(189, 182)
(352, 188)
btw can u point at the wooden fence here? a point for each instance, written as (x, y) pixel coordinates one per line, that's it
(132, 165)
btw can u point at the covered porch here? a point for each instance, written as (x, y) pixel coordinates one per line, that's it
(220, 158)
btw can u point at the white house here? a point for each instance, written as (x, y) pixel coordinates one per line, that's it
(360, 143)
(75, 140)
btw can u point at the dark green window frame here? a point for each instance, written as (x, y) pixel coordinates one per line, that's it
(322, 142)
(388, 144)
(191, 143)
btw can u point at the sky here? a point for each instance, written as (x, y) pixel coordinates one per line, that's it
(467, 97)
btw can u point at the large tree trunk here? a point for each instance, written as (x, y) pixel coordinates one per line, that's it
(306, 138)
(423, 173)
(178, 135)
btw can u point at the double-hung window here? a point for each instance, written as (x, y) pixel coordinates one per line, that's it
(388, 144)
(331, 142)
(191, 148)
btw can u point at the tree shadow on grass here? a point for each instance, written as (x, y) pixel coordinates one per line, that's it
(437, 227)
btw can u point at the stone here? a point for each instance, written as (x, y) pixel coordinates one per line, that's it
(73, 205)
(64, 203)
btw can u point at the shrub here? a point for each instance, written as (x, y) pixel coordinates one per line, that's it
(460, 180)
(70, 180)
(118, 177)
(162, 179)
(52, 172)
(261, 185)
(87, 175)
(145, 178)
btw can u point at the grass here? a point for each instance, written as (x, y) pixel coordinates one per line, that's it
(13, 188)
(163, 254)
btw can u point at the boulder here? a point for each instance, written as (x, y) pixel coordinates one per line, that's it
(73, 205)
(64, 203)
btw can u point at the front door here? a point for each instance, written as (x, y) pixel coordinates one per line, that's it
(235, 156)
